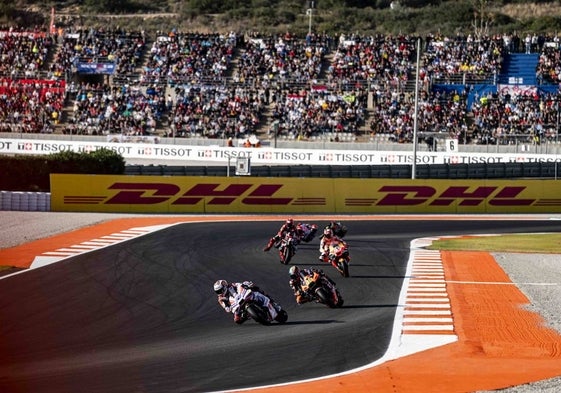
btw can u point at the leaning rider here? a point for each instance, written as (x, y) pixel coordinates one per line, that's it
(327, 238)
(287, 227)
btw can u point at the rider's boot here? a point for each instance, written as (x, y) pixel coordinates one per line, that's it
(272, 311)
(269, 244)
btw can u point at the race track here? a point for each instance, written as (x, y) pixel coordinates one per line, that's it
(140, 316)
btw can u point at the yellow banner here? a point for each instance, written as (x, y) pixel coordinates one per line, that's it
(186, 194)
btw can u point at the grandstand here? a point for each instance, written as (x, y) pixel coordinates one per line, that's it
(189, 86)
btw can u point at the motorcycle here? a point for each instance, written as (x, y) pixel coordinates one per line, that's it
(259, 307)
(338, 229)
(339, 257)
(307, 232)
(287, 248)
(319, 288)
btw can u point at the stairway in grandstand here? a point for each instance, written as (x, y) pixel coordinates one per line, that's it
(519, 69)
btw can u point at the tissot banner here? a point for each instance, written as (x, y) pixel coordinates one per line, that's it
(262, 156)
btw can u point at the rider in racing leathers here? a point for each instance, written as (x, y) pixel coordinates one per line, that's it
(304, 231)
(297, 277)
(337, 228)
(229, 294)
(327, 238)
(287, 227)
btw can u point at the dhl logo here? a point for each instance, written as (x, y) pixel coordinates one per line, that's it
(415, 195)
(264, 194)
(154, 193)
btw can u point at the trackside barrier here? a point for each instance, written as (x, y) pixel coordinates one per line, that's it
(220, 194)
(222, 155)
(25, 201)
(504, 170)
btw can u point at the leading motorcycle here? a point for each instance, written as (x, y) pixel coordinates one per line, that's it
(287, 248)
(321, 289)
(257, 306)
(339, 256)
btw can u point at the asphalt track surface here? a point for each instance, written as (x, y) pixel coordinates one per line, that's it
(140, 316)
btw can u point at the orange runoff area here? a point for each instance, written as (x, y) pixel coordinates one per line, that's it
(500, 343)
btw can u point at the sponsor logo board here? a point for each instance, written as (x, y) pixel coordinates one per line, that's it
(161, 194)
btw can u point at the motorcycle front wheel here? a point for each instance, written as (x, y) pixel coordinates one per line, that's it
(286, 255)
(340, 300)
(343, 267)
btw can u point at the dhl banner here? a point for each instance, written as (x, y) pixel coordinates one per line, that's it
(191, 194)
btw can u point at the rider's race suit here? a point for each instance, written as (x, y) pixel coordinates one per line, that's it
(296, 283)
(324, 247)
(244, 291)
(303, 231)
(275, 240)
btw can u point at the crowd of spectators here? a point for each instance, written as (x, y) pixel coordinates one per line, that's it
(179, 58)
(311, 114)
(80, 46)
(23, 52)
(127, 110)
(30, 105)
(476, 59)
(216, 111)
(549, 63)
(360, 60)
(437, 112)
(221, 85)
(527, 118)
(274, 59)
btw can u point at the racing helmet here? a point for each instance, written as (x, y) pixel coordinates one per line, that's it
(327, 232)
(293, 271)
(220, 287)
(289, 222)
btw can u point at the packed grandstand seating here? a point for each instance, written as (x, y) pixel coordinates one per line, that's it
(350, 87)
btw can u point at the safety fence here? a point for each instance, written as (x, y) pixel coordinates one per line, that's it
(506, 170)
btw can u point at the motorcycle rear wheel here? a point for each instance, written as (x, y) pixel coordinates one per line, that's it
(282, 317)
(325, 297)
(257, 314)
